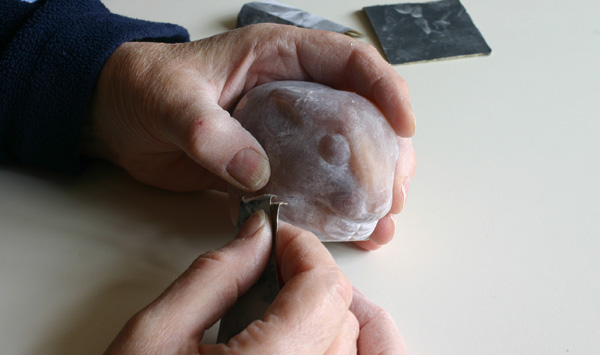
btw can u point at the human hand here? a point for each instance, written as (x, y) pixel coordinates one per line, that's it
(160, 111)
(314, 313)
(405, 170)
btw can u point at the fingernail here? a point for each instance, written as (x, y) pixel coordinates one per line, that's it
(252, 225)
(393, 220)
(404, 190)
(249, 168)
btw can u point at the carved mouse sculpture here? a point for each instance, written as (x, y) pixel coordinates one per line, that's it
(332, 155)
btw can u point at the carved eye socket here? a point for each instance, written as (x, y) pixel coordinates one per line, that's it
(334, 149)
(281, 117)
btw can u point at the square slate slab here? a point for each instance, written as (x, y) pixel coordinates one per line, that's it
(415, 32)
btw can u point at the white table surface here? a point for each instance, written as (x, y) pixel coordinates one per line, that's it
(497, 251)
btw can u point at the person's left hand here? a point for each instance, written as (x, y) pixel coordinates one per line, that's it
(316, 311)
(160, 110)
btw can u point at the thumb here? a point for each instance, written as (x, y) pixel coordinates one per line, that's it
(178, 318)
(211, 137)
(378, 331)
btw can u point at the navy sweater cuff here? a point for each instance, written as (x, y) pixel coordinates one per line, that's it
(51, 67)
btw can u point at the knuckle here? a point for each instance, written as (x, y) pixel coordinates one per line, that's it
(251, 337)
(145, 328)
(403, 86)
(218, 264)
(217, 349)
(368, 49)
(352, 324)
(365, 50)
(141, 321)
(210, 260)
(338, 285)
(380, 314)
(377, 316)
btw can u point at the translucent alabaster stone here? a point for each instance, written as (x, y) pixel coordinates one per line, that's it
(332, 156)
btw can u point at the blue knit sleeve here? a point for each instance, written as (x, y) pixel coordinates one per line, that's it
(51, 56)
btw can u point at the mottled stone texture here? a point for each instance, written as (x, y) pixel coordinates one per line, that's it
(414, 32)
(332, 156)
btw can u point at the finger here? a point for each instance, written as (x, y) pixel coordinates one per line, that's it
(345, 63)
(405, 170)
(345, 342)
(369, 75)
(310, 310)
(383, 234)
(203, 293)
(336, 60)
(212, 138)
(378, 332)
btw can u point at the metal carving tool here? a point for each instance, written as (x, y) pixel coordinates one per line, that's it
(253, 304)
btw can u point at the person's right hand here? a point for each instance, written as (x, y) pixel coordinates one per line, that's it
(314, 313)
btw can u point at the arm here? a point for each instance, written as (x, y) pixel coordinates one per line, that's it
(51, 55)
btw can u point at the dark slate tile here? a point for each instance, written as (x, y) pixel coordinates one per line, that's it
(415, 32)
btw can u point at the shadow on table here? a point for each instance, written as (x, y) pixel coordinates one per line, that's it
(164, 230)
(146, 237)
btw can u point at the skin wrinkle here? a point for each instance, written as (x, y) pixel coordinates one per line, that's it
(232, 89)
(275, 53)
(345, 342)
(376, 323)
(156, 95)
(300, 323)
(290, 44)
(218, 263)
(253, 334)
(356, 53)
(299, 268)
(359, 54)
(151, 73)
(302, 48)
(299, 41)
(255, 51)
(149, 322)
(138, 80)
(282, 245)
(214, 78)
(333, 283)
(350, 84)
(213, 261)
